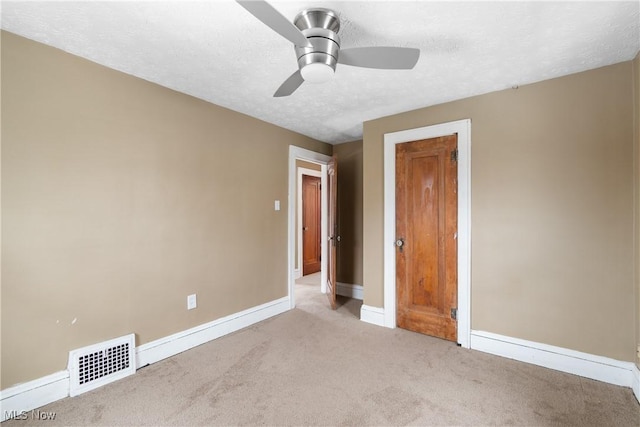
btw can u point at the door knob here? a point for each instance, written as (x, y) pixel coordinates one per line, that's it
(400, 243)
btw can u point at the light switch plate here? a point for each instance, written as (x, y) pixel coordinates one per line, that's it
(191, 302)
(276, 205)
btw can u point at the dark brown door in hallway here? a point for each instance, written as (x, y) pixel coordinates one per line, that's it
(310, 224)
(426, 233)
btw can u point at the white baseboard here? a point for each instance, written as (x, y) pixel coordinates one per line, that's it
(561, 359)
(16, 400)
(373, 315)
(297, 273)
(636, 381)
(349, 290)
(162, 348)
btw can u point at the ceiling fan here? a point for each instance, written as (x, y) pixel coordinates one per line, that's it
(314, 33)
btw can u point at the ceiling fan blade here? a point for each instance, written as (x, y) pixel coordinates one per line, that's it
(290, 85)
(275, 20)
(381, 57)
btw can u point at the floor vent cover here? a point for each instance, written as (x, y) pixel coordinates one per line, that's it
(99, 364)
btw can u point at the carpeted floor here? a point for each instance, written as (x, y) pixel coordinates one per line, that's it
(314, 366)
(309, 279)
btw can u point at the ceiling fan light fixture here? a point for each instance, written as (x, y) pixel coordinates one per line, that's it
(317, 72)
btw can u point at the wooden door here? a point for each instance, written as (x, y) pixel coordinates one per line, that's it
(426, 229)
(311, 197)
(334, 238)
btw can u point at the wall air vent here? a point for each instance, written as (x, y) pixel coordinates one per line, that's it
(99, 364)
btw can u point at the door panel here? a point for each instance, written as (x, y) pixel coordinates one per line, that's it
(426, 223)
(310, 224)
(332, 176)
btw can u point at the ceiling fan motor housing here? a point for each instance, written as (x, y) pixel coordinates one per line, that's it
(320, 26)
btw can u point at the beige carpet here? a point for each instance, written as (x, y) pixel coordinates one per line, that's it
(309, 279)
(312, 366)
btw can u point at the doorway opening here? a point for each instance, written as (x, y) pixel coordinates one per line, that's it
(308, 219)
(306, 162)
(308, 226)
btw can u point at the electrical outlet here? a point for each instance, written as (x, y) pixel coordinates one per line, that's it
(191, 302)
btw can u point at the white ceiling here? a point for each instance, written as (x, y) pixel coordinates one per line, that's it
(218, 52)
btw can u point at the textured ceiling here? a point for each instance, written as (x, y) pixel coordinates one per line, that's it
(218, 52)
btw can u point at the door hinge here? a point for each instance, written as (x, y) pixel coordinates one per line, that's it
(454, 155)
(454, 313)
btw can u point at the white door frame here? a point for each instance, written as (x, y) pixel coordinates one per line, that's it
(309, 172)
(298, 153)
(463, 129)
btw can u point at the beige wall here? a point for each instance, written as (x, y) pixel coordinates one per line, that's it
(308, 165)
(349, 254)
(551, 210)
(120, 198)
(636, 157)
